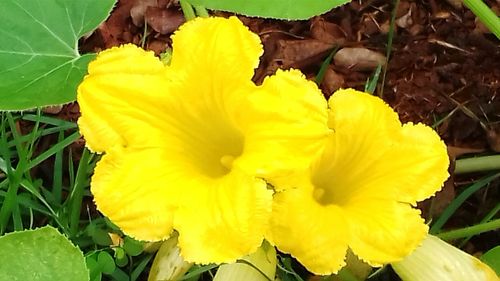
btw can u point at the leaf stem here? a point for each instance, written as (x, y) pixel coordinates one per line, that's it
(477, 164)
(485, 14)
(470, 230)
(201, 11)
(187, 10)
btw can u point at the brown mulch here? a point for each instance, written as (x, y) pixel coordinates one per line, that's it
(443, 70)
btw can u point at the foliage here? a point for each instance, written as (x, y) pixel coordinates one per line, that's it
(40, 255)
(39, 60)
(279, 9)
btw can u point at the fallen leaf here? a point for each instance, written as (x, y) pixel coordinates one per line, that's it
(327, 32)
(139, 9)
(332, 81)
(360, 59)
(164, 21)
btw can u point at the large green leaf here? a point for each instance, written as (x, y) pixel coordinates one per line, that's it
(39, 60)
(42, 254)
(280, 9)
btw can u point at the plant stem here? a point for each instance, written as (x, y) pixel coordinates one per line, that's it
(187, 10)
(201, 11)
(76, 196)
(470, 231)
(485, 14)
(477, 164)
(390, 37)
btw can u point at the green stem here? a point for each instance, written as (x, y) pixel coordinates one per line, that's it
(187, 10)
(390, 37)
(485, 14)
(76, 195)
(477, 164)
(470, 231)
(201, 11)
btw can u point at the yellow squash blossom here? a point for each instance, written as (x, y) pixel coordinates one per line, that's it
(360, 192)
(186, 146)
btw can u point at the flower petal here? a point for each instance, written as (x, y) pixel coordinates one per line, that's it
(284, 123)
(136, 194)
(216, 53)
(372, 153)
(383, 231)
(315, 235)
(118, 98)
(221, 220)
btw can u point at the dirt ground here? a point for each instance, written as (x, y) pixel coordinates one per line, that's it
(443, 70)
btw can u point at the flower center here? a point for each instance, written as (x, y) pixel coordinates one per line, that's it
(331, 188)
(211, 145)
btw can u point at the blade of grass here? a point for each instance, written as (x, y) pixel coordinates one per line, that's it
(390, 37)
(201, 11)
(58, 169)
(54, 149)
(187, 10)
(485, 15)
(140, 268)
(324, 65)
(12, 176)
(40, 133)
(486, 218)
(371, 84)
(30, 187)
(33, 134)
(16, 218)
(459, 200)
(49, 120)
(77, 192)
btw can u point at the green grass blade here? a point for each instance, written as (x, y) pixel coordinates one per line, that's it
(459, 200)
(58, 172)
(485, 14)
(390, 37)
(49, 120)
(371, 84)
(77, 192)
(486, 218)
(322, 70)
(53, 150)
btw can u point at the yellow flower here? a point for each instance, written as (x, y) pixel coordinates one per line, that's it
(186, 146)
(359, 193)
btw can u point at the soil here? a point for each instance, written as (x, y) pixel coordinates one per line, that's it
(443, 70)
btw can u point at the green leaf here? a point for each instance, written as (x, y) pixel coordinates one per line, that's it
(39, 60)
(132, 247)
(492, 258)
(280, 9)
(106, 262)
(42, 254)
(121, 258)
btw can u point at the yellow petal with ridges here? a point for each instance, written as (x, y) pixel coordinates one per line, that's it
(315, 235)
(216, 53)
(135, 194)
(383, 231)
(372, 153)
(221, 220)
(284, 123)
(120, 95)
